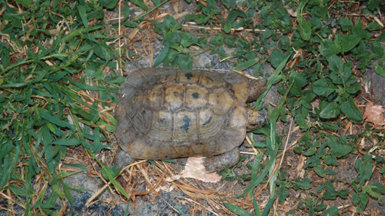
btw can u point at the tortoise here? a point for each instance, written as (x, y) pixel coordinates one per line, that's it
(173, 113)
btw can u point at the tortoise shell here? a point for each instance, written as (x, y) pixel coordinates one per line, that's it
(172, 113)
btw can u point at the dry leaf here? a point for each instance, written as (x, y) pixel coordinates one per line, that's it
(195, 169)
(374, 114)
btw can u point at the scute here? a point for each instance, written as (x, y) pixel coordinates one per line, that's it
(161, 126)
(196, 96)
(221, 100)
(168, 113)
(155, 96)
(174, 96)
(188, 77)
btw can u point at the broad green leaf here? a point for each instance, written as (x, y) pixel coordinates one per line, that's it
(373, 26)
(364, 168)
(234, 14)
(348, 42)
(374, 4)
(110, 4)
(330, 192)
(304, 184)
(217, 40)
(184, 61)
(345, 24)
(359, 30)
(276, 58)
(227, 27)
(310, 151)
(305, 29)
(283, 193)
(337, 148)
(298, 81)
(330, 171)
(375, 190)
(360, 200)
(200, 19)
(26, 3)
(354, 88)
(140, 3)
(329, 126)
(329, 160)
(331, 110)
(156, 2)
(320, 207)
(231, 19)
(331, 211)
(322, 87)
(313, 161)
(169, 24)
(188, 39)
(320, 170)
(162, 54)
(350, 109)
(377, 50)
(336, 64)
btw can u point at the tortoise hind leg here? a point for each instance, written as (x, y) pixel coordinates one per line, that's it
(219, 162)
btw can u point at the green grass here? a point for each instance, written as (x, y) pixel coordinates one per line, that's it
(50, 62)
(54, 55)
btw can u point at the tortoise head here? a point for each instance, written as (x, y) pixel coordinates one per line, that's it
(256, 119)
(256, 88)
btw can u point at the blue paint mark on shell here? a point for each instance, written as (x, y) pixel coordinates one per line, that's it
(186, 123)
(195, 95)
(188, 75)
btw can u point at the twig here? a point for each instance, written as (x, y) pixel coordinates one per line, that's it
(287, 141)
(193, 26)
(119, 32)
